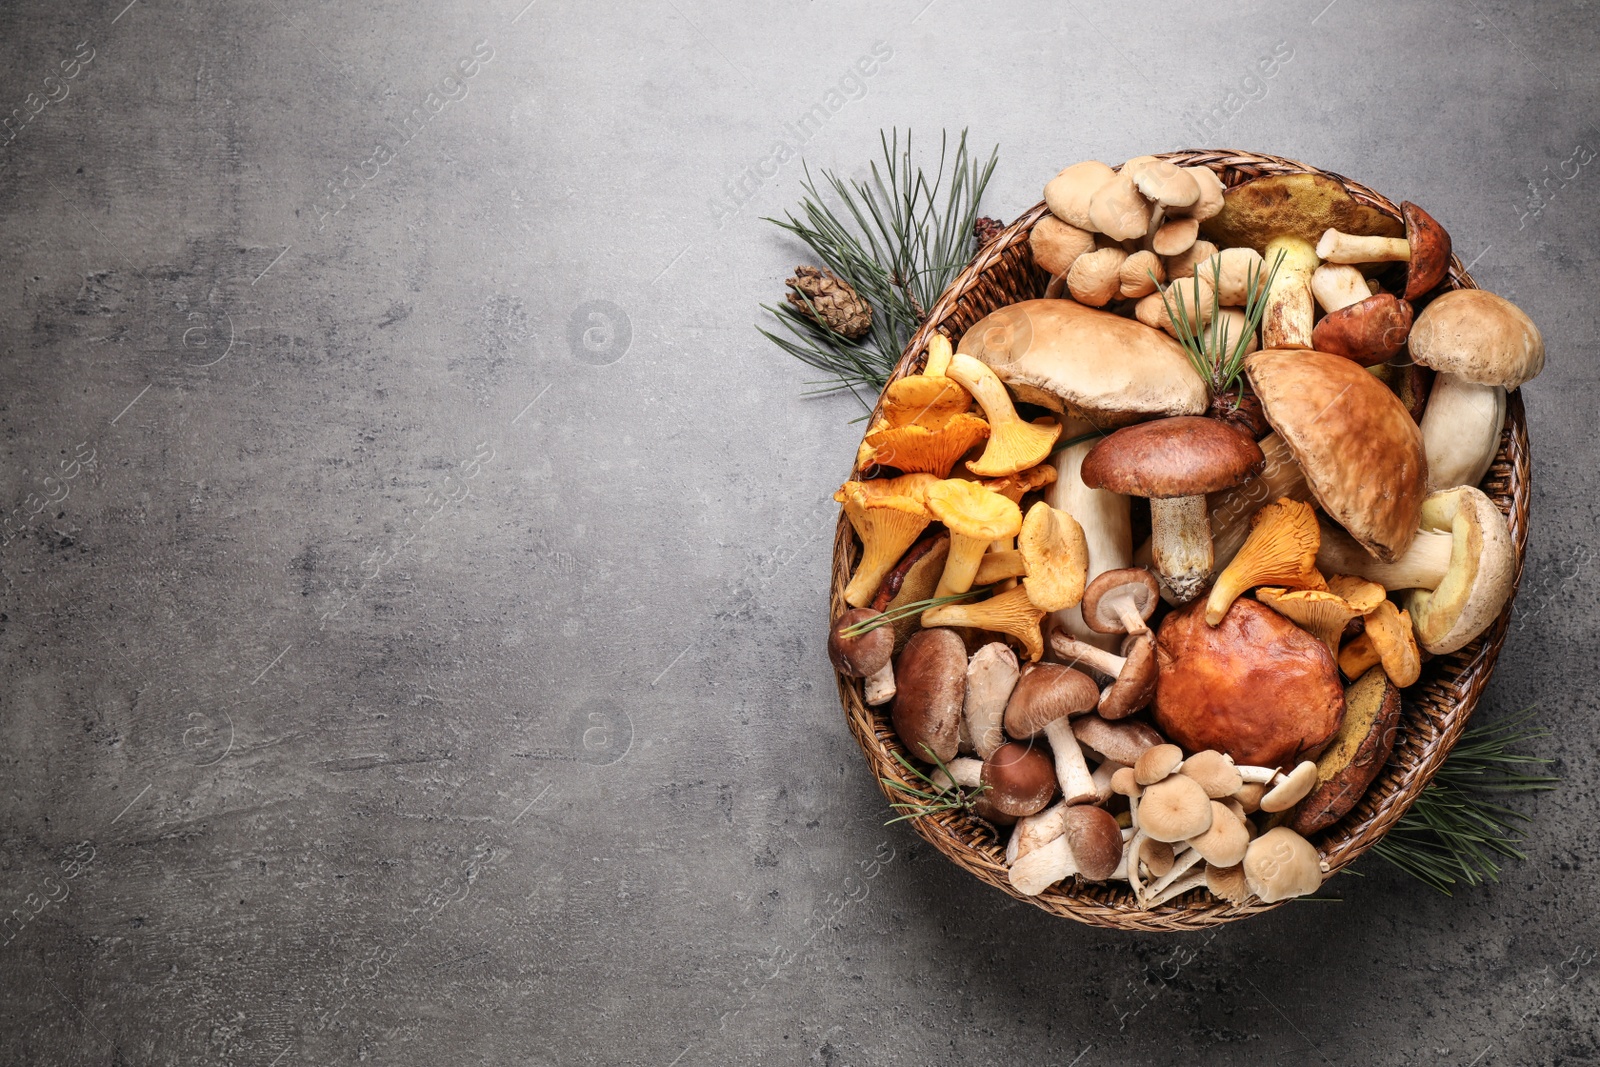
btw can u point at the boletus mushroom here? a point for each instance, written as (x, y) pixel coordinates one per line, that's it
(1425, 248)
(1255, 686)
(1175, 463)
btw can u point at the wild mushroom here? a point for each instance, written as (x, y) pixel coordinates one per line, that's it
(1062, 355)
(1104, 518)
(1234, 272)
(1013, 445)
(1174, 463)
(928, 399)
(1215, 772)
(1228, 883)
(1103, 774)
(1224, 842)
(1188, 298)
(1319, 612)
(1037, 829)
(1426, 247)
(1338, 285)
(1163, 183)
(1281, 550)
(992, 674)
(1255, 686)
(888, 515)
(1056, 245)
(913, 448)
(866, 655)
(1068, 193)
(1210, 201)
(1117, 210)
(1369, 332)
(931, 679)
(1045, 698)
(1290, 310)
(1354, 440)
(1010, 613)
(975, 516)
(1156, 764)
(1458, 574)
(1133, 676)
(914, 578)
(1090, 847)
(1123, 741)
(1354, 757)
(1461, 428)
(1287, 790)
(1018, 779)
(1174, 809)
(1120, 601)
(1389, 629)
(1233, 510)
(1096, 277)
(1056, 555)
(1138, 276)
(1184, 263)
(1281, 864)
(1174, 236)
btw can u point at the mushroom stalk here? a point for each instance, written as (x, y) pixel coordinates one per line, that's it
(1194, 879)
(1105, 520)
(1187, 859)
(964, 771)
(1074, 652)
(1423, 566)
(880, 686)
(1337, 286)
(1231, 509)
(1287, 320)
(1042, 868)
(1102, 779)
(1072, 771)
(1180, 545)
(1037, 829)
(1461, 430)
(1336, 247)
(991, 676)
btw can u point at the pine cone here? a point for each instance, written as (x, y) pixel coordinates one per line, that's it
(837, 305)
(986, 229)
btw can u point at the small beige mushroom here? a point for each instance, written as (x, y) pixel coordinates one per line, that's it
(1249, 796)
(1196, 306)
(1209, 204)
(1162, 182)
(1056, 244)
(1068, 193)
(1157, 856)
(1215, 772)
(1281, 864)
(1233, 270)
(1157, 763)
(1124, 781)
(1139, 275)
(1183, 264)
(1338, 285)
(1228, 883)
(1117, 210)
(1225, 841)
(1175, 236)
(1095, 278)
(1174, 809)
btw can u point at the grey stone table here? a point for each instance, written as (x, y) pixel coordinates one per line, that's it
(414, 559)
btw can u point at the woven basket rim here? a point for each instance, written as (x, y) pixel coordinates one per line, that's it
(1436, 709)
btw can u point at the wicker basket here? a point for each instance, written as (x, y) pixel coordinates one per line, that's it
(1436, 708)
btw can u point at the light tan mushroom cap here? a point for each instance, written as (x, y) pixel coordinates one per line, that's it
(1358, 446)
(1057, 244)
(1215, 772)
(1281, 864)
(1225, 841)
(1067, 357)
(1067, 194)
(1482, 337)
(1174, 809)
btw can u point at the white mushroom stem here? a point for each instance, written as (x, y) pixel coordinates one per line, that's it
(1074, 653)
(1130, 857)
(1423, 566)
(1258, 775)
(880, 686)
(1077, 784)
(991, 676)
(1180, 863)
(1461, 430)
(1105, 519)
(1194, 879)
(1043, 867)
(1180, 544)
(1036, 830)
(1336, 286)
(1290, 311)
(1336, 247)
(966, 772)
(1102, 779)
(1120, 874)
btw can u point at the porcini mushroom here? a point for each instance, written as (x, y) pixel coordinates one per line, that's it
(975, 517)
(1354, 440)
(1458, 573)
(931, 679)
(1120, 601)
(1009, 612)
(1174, 463)
(1287, 319)
(1103, 516)
(1281, 864)
(992, 674)
(1014, 445)
(1461, 428)
(1018, 779)
(1281, 550)
(1425, 247)
(1045, 698)
(865, 655)
(1338, 285)
(888, 515)
(1133, 675)
(1056, 555)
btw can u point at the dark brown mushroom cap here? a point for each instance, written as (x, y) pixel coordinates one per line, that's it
(1182, 456)
(1430, 250)
(930, 686)
(1122, 741)
(1021, 779)
(1135, 687)
(1370, 331)
(1045, 693)
(1095, 840)
(1135, 583)
(865, 654)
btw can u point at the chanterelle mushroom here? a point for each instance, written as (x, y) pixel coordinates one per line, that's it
(1174, 463)
(1057, 557)
(1014, 445)
(888, 515)
(975, 517)
(1009, 612)
(1281, 550)
(916, 448)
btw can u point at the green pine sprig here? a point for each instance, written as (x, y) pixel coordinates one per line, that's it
(914, 607)
(898, 239)
(1457, 833)
(930, 800)
(1218, 360)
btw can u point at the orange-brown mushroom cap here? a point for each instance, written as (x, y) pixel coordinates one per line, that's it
(1370, 331)
(1321, 614)
(1010, 613)
(888, 515)
(930, 450)
(1430, 250)
(1185, 455)
(1057, 557)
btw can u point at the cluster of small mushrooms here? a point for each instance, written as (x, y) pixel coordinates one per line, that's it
(1184, 710)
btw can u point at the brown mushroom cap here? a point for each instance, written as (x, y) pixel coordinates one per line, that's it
(1135, 684)
(931, 686)
(1045, 693)
(1095, 840)
(1255, 686)
(1183, 456)
(1482, 337)
(1021, 779)
(1358, 446)
(864, 654)
(1430, 250)
(1174, 809)
(1370, 331)
(1122, 741)
(1134, 584)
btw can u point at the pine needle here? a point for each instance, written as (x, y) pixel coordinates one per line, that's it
(898, 239)
(932, 800)
(915, 607)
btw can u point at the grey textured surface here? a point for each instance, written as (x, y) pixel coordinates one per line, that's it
(392, 670)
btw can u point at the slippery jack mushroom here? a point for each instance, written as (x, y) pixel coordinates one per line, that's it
(888, 515)
(1457, 574)
(1370, 331)
(975, 517)
(1425, 247)
(1014, 445)
(866, 655)
(1133, 675)
(1043, 702)
(1174, 463)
